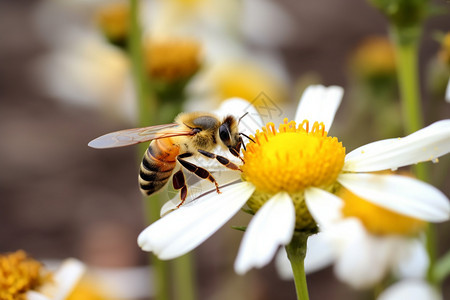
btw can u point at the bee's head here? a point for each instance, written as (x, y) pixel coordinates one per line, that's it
(229, 135)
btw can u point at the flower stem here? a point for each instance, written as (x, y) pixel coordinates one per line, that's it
(296, 251)
(146, 115)
(406, 43)
(149, 114)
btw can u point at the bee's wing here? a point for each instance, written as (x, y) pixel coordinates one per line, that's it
(133, 136)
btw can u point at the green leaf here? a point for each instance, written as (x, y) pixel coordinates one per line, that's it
(442, 268)
(240, 228)
(249, 211)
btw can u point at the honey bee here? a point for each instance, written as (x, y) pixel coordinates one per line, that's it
(191, 134)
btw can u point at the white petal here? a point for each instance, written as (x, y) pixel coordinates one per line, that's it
(412, 259)
(238, 107)
(320, 104)
(363, 259)
(32, 295)
(184, 229)
(199, 188)
(323, 206)
(63, 281)
(272, 226)
(404, 195)
(426, 144)
(410, 289)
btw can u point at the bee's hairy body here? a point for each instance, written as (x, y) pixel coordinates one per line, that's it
(160, 159)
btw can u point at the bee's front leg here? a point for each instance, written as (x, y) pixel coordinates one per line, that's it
(199, 171)
(223, 160)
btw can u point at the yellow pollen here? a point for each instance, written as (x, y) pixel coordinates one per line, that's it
(19, 274)
(113, 20)
(170, 60)
(444, 53)
(291, 159)
(376, 219)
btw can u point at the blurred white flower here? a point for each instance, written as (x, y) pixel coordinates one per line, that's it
(89, 72)
(285, 191)
(410, 289)
(22, 277)
(82, 67)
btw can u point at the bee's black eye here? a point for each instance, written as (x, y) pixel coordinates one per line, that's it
(224, 133)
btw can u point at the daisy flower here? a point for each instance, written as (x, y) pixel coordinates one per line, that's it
(410, 289)
(290, 178)
(22, 277)
(365, 243)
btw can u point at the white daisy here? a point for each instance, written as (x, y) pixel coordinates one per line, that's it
(410, 289)
(23, 277)
(289, 179)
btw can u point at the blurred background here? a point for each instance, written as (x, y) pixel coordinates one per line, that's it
(59, 198)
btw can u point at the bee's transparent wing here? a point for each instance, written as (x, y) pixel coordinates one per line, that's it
(133, 136)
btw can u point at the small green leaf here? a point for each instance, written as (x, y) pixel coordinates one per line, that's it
(442, 268)
(249, 211)
(240, 228)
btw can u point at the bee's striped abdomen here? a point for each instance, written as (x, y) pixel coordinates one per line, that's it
(157, 165)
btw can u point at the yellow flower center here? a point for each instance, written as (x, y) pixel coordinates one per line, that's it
(245, 80)
(113, 20)
(376, 219)
(19, 274)
(292, 159)
(374, 57)
(444, 53)
(170, 60)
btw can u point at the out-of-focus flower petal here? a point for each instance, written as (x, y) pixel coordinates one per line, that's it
(319, 255)
(237, 107)
(404, 195)
(272, 226)
(412, 260)
(63, 281)
(410, 289)
(363, 259)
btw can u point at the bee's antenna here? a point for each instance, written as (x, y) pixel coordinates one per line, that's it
(242, 117)
(247, 137)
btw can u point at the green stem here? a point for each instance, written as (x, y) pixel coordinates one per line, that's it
(296, 251)
(406, 43)
(147, 115)
(185, 278)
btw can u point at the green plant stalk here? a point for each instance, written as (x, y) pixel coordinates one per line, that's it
(406, 44)
(146, 115)
(184, 277)
(296, 251)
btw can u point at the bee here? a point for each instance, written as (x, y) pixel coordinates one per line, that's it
(192, 134)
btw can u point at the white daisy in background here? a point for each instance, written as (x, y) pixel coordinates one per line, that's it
(81, 67)
(289, 179)
(89, 72)
(22, 277)
(365, 242)
(410, 289)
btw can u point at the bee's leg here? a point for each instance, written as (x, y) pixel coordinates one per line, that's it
(200, 172)
(236, 153)
(179, 183)
(223, 160)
